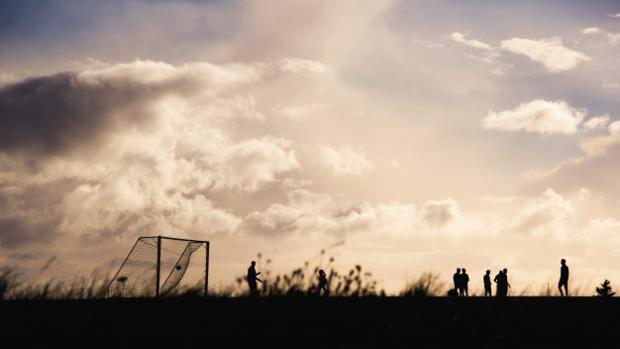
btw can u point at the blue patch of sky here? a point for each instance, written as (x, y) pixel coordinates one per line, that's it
(45, 23)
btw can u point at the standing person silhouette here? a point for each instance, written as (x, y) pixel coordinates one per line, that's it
(563, 278)
(456, 278)
(505, 283)
(499, 292)
(464, 283)
(486, 280)
(323, 283)
(252, 277)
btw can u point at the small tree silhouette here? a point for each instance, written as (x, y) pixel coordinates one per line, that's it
(605, 289)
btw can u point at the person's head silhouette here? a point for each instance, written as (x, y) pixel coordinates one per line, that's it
(505, 271)
(463, 270)
(253, 263)
(563, 261)
(458, 270)
(488, 272)
(321, 272)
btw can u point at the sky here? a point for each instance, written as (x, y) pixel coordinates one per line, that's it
(426, 135)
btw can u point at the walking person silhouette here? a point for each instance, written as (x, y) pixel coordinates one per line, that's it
(563, 278)
(464, 283)
(323, 283)
(456, 278)
(252, 277)
(486, 280)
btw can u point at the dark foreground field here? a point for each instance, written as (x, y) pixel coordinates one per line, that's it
(321, 323)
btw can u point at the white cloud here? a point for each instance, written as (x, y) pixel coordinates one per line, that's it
(550, 52)
(200, 75)
(277, 221)
(344, 160)
(539, 116)
(491, 58)
(235, 107)
(254, 162)
(548, 214)
(614, 127)
(303, 67)
(460, 38)
(155, 167)
(596, 122)
(613, 38)
(591, 30)
(311, 213)
(487, 53)
(298, 112)
(614, 15)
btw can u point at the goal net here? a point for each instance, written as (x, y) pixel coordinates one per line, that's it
(162, 266)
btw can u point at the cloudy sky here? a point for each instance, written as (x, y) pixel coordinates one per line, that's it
(427, 135)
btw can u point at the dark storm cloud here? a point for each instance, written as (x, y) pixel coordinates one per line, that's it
(53, 114)
(32, 214)
(18, 231)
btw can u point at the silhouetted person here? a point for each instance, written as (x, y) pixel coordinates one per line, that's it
(563, 278)
(505, 283)
(486, 280)
(464, 283)
(323, 283)
(456, 278)
(501, 289)
(252, 277)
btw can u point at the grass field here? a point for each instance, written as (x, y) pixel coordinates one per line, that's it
(408, 322)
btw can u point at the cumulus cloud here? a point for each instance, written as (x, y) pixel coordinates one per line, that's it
(550, 52)
(59, 113)
(595, 123)
(539, 116)
(548, 214)
(307, 213)
(124, 149)
(250, 163)
(614, 127)
(344, 160)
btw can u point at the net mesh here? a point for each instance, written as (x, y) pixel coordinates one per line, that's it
(182, 269)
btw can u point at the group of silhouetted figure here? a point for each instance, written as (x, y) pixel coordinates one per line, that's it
(460, 279)
(461, 283)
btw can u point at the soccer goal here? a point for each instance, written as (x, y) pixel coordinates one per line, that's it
(160, 266)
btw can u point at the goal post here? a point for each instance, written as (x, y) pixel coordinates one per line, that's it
(159, 266)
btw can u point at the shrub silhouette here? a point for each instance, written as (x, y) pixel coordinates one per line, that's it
(427, 285)
(12, 286)
(605, 290)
